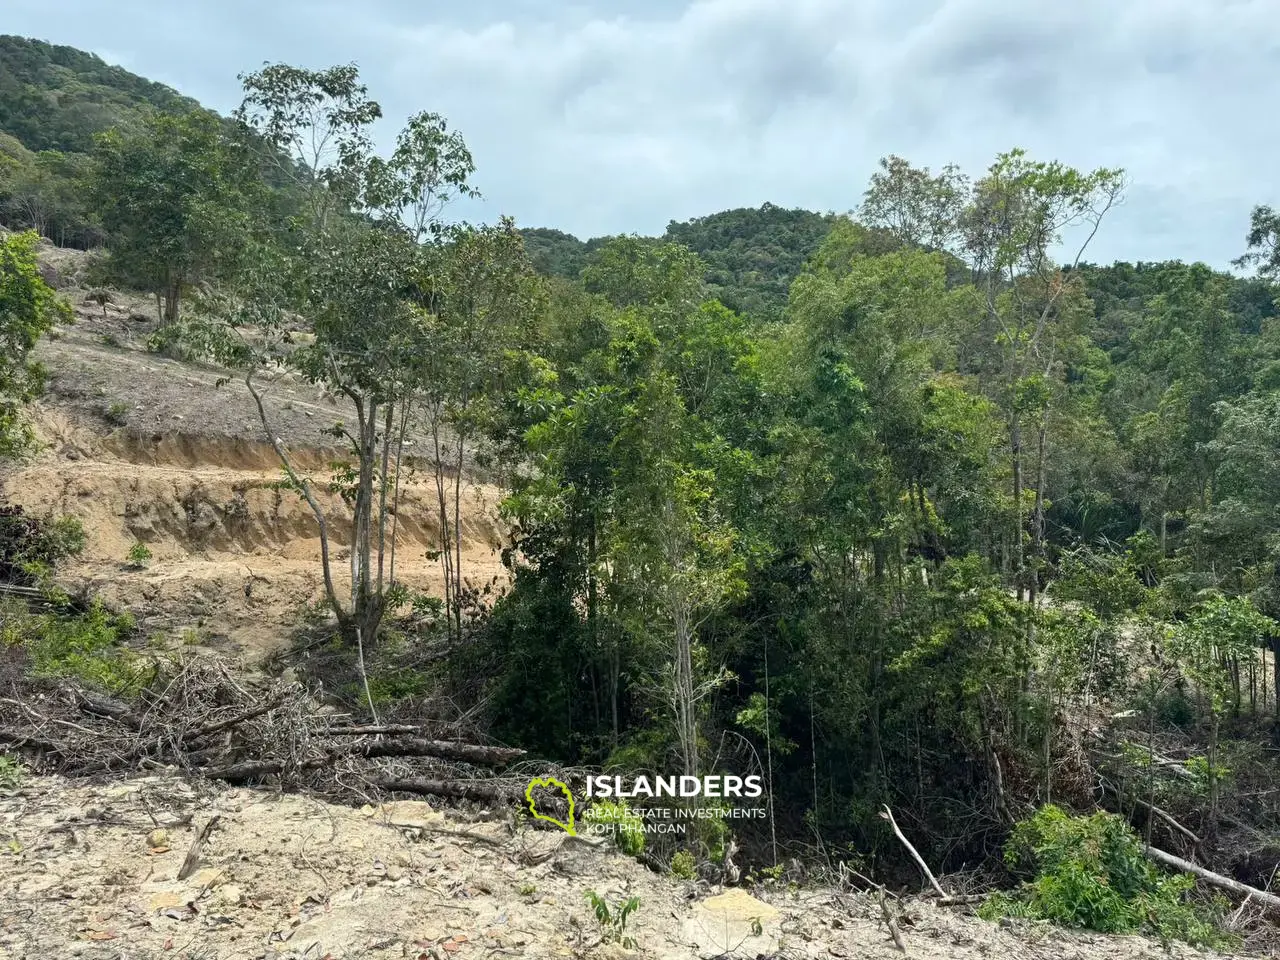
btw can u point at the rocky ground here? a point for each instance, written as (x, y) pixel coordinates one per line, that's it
(92, 871)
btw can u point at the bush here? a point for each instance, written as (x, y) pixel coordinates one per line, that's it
(1090, 872)
(683, 865)
(621, 823)
(31, 546)
(86, 647)
(138, 556)
(11, 772)
(116, 414)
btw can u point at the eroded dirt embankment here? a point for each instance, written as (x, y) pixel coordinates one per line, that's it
(233, 556)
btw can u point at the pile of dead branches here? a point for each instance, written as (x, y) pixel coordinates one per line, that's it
(198, 718)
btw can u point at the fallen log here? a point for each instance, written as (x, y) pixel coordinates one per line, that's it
(440, 749)
(1169, 819)
(244, 717)
(437, 749)
(19, 740)
(1215, 879)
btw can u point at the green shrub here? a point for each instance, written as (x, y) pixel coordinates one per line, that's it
(32, 546)
(85, 647)
(683, 865)
(138, 556)
(11, 772)
(116, 414)
(1090, 872)
(620, 822)
(612, 920)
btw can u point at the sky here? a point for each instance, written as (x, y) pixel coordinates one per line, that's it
(620, 116)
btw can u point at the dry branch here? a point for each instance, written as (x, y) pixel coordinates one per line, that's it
(455, 789)
(1215, 879)
(887, 814)
(199, 718)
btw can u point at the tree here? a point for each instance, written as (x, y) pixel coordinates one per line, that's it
(354, 268)
(1263, 243)
(28, 309)
(484, 301)
(1220, 631)
(175, 199)
(1006, 227)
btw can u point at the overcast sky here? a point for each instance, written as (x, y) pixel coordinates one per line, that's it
(619, 116)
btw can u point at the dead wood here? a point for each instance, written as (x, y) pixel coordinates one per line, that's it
(197, 717)
(887, 814)
(892, 924)
(1214, 879)
(192, 861)
(246, 715)
(441, 749)
(455, 789)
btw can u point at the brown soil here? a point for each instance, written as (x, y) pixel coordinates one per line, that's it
(143, 448)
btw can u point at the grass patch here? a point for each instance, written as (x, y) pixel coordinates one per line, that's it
(87, 647)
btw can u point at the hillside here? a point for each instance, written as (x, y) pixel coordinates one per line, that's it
(57, 98)
(955, 558)
(142, 448)
(752, 254)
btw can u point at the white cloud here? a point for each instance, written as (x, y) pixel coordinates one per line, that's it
(620, 116)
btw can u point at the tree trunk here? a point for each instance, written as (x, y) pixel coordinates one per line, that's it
(1015, 449)
(172, 292)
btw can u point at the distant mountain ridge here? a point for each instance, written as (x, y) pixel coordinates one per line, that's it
(53, 99)
(752, 253)
(56, 98)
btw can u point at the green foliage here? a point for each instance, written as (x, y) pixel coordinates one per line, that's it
(753, 255)
(86, 647)
(28, 309)
(12, 772)
(176, 199)
(57, 98)
(684, 865)
(1090, 872)
(31, 546)
(116, 413)
(611, 919)
(622, 823)
(139, 555)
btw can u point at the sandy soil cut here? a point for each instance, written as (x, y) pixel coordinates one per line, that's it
(83, 873)
(233, 557)
(146, 449)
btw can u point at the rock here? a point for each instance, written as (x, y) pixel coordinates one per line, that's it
(165, 900)
(228, 895)
(730, 921)
(209, 877)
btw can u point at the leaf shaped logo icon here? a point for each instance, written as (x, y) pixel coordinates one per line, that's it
(550, 783)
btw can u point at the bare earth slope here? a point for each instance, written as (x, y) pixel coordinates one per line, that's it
(143, 448)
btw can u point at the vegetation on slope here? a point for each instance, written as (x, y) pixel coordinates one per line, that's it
(811, 538)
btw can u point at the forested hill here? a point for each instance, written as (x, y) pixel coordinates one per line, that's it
(57, 98)
(752, 254)
(53, 100)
